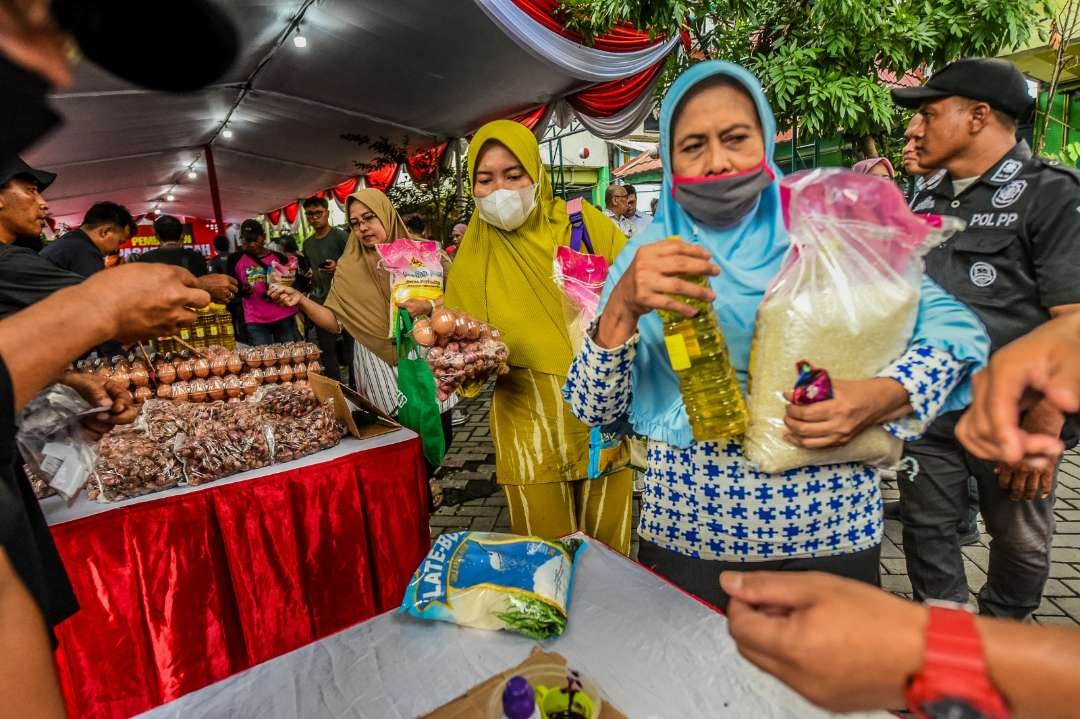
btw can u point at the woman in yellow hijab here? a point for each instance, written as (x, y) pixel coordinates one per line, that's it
(502, 274)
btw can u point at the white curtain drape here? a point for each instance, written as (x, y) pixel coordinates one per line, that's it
(576, 60)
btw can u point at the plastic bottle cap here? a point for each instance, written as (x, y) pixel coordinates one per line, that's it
(518, 700)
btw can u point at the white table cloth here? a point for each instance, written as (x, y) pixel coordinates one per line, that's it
(655, 651)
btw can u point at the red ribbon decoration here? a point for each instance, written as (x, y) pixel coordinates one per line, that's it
(531, 118)
(274, 216)
(622, 38)
(292, 211)
(607, 98)
(342, 190)
(382, 178)
(422, 163)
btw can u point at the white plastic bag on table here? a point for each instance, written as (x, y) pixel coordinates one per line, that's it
(52, 441)
(845, 300)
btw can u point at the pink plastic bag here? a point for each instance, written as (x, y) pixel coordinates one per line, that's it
(580, 276)
(845, 301)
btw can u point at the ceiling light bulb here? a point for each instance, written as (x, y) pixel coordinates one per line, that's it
(226, 133)
(170, 197)
(192, 174)
(300, 40)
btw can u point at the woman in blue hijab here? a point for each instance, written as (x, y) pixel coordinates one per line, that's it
(705, 508)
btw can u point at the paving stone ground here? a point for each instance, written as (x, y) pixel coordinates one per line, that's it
(472, 459)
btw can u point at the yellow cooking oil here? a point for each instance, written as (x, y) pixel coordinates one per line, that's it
(707, 380)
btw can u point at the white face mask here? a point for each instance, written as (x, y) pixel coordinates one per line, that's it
(507, 209)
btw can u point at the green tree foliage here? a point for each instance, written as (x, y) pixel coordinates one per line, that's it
(824, 63)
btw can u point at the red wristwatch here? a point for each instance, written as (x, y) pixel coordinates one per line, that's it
(954, 681)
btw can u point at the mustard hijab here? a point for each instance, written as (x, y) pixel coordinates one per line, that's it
(360, 294)
(505, 278)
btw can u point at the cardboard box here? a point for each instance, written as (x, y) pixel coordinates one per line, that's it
(345, 401)
(474, 703)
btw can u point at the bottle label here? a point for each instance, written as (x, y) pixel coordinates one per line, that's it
(677, 352)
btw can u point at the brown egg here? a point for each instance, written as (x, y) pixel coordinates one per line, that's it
(233, 386)
(270, 375)
(179, 391)
(202, 368)
(139, 377)
(165, 373)
(442, 321)
(219, 364)
(143, 393)
(197, 390)
(164, 391)
(185, 370)
(285, 373)
(215, 388)
(314, 367)
(423, 333)
(234, 364)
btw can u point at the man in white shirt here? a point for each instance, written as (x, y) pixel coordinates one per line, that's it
(617, 200)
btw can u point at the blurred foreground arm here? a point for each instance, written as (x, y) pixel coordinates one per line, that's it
(847, 646)
(129, 303)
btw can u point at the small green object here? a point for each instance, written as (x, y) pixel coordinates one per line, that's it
(420, 413)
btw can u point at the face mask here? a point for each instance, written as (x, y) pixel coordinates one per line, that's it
(507, 209)
(722, 200)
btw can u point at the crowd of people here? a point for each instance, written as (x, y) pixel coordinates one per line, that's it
(981, 396)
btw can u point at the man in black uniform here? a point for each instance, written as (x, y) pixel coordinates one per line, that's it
(170, 233)
(1017, 264)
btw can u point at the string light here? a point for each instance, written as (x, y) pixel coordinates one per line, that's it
(299, 41)
(192, 175)
(227, 133)
(170, 197)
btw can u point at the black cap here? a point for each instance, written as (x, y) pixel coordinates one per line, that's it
(250, 229)
(996, 82)
(18, 168)
(195, 42)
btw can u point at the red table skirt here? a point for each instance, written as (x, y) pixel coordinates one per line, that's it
(184, 591)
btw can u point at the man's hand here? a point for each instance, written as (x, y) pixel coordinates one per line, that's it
(1042, 365)
(101, 393)
(222, 288)
(856, 405)
(329, 267)
(843, 645)
(142, 301)
(1026, 480)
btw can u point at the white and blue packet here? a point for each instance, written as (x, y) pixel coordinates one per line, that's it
(496, 581)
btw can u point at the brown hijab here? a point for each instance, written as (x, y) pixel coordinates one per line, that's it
(360, 294)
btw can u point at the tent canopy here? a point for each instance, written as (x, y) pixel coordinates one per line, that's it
(424, 70)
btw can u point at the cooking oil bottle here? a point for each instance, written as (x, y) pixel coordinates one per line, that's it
(699, 356)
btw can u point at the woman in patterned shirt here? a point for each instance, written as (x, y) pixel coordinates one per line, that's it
(705, 508)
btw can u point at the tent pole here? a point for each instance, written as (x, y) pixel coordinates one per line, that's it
(215, 197)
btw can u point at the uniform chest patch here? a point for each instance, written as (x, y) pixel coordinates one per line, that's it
(1008, 194)
(983, 274)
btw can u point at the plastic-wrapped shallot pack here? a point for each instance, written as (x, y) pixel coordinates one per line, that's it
(463, 352)
(845, 301)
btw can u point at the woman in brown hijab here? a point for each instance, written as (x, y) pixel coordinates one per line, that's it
(359, 301)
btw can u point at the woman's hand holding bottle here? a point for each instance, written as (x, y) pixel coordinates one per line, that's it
(653, 281)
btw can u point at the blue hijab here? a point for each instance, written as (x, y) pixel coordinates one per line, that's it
(749, 255)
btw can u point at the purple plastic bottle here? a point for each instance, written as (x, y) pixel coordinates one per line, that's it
(518, 700)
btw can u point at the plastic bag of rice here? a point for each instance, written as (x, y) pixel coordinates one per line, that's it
(496, 581)
(845, 300)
